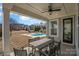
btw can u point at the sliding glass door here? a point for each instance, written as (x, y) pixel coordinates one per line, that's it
(68, 30)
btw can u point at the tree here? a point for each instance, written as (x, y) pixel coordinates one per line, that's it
(13, 22)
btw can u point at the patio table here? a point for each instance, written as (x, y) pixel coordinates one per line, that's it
(40, 44)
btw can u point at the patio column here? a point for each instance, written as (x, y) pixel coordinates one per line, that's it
(76, 29)
(47, 28)
(6, 29)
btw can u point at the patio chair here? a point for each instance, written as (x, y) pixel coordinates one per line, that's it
(58, 48)
(55, 49)
(48, 52)
(1, 53)
(51, 49)
(51, 38)
(43, 53)
(19, 52)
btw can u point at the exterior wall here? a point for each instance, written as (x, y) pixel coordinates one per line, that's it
(78, 28)
(78, 33)
(60, 29)
(66, 49)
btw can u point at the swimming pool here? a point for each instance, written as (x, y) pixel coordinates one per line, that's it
(39, 34)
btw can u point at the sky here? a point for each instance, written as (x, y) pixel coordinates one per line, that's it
(21, 18)
(1, 12)
(25, 19)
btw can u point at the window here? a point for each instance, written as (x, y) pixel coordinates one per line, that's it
(53, 28)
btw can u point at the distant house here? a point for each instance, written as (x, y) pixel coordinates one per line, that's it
(15, 27)
(18, 27)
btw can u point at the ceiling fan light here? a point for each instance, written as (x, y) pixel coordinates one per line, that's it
(50, 13)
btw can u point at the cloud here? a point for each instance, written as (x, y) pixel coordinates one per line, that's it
(11, 13)
(24, 18)
(0, 7)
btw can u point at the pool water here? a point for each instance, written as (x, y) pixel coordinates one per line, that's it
(39, 34)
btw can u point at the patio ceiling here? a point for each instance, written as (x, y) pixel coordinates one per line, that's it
(36, 9)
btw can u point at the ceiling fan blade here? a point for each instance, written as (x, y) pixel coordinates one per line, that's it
(45, 11)
(56, 9)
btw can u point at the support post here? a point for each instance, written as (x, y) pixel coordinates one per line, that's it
(76, 30)
(47, 28)
(6, 29)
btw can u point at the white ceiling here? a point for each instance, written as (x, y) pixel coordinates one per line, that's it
(38, 8)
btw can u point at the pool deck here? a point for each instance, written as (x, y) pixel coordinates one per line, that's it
(21, 39)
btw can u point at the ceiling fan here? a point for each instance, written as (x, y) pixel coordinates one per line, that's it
(50, 9)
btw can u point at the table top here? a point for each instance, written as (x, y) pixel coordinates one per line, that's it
(40, 43)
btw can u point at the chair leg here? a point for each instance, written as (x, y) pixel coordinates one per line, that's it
(58, 52)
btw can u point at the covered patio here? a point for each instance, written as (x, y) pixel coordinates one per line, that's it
(68, 11)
